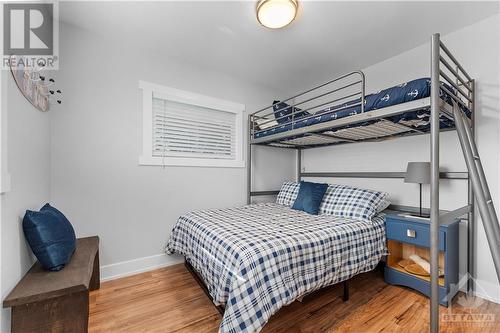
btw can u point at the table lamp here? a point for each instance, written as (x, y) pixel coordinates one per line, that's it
(418, 173)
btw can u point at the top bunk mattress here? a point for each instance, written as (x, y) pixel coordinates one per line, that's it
(402, 93)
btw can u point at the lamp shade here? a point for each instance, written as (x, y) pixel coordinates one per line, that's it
(418, 172)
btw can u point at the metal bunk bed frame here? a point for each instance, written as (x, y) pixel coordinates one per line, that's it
(445, 67)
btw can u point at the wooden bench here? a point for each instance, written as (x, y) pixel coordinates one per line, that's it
(45, 301)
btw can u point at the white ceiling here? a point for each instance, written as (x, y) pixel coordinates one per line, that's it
(327, 38)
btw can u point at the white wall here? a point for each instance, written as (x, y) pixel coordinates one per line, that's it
(96, 142)
(26, 149)
(477, 47)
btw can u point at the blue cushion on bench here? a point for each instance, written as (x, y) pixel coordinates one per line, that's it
(50, 236)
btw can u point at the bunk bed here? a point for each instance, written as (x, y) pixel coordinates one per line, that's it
(340, 112)
(223, 246)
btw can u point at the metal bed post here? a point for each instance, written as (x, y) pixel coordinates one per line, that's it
(299, 164)
(363, 92)
(471, 225)
(249, 167)
(434, 202)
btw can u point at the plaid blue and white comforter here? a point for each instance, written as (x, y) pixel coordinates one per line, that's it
(258, 258)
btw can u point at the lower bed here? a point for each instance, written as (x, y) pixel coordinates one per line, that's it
(258, 258)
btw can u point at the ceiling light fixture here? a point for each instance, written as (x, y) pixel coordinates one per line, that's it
(276, 14)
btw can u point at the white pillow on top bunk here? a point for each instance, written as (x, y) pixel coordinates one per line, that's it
(264, 123)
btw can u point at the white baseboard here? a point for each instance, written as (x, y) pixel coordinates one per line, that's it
(139, 265)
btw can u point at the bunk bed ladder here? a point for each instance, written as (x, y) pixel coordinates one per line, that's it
(479, 186)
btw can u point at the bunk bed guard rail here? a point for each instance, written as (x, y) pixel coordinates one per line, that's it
(326, 98)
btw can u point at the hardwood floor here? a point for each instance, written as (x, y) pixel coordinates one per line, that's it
(169, 300)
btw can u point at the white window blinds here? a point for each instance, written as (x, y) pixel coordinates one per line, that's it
(183, 128)
(190, 131)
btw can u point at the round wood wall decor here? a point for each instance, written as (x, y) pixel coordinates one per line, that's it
(33, 84)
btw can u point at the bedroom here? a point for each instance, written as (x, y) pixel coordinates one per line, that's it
(100, 157)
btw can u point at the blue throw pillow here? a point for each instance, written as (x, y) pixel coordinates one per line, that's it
(282, 109)
(310, 197)
(48, 208)
(50, 236)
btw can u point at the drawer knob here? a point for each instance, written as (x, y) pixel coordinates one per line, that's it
(410, 233)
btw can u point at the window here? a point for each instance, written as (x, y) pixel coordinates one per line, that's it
(181, 128)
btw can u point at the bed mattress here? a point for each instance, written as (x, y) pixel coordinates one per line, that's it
(405, 92)
(258, 258)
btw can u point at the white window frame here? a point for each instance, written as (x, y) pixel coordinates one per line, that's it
(180, 96)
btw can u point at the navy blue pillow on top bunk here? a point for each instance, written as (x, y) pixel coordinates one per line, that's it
(282, 109)
(402, 93)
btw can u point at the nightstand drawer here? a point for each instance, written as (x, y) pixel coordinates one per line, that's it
(412, 233)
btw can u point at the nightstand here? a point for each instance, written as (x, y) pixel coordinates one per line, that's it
(410, 235)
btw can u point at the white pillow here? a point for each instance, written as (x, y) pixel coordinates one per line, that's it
(352, 202)
(384, 203)
(265, 123)
(288, 193)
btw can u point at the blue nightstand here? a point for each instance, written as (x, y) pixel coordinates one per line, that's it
(407, 236)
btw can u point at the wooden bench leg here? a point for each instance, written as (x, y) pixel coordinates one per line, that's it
(95, 280)
(68, 314)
